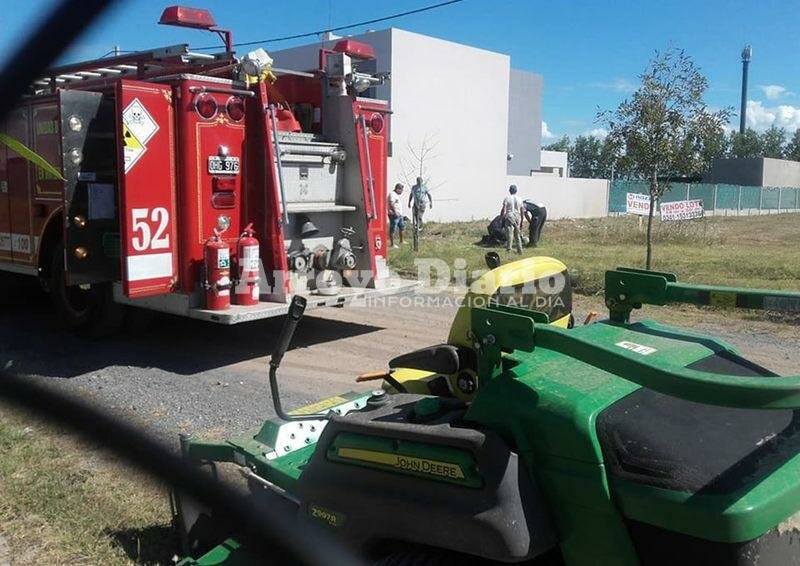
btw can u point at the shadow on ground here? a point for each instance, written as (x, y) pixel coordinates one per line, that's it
(154, 544)
(34, 340)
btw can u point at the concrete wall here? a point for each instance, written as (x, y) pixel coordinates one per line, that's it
(524, 122)
(736, 171)
(456, 98)
(755, 171)
(781, 173)
(553, 163)
(564, 198)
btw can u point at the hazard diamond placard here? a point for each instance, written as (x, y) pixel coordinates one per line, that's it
(138, 127)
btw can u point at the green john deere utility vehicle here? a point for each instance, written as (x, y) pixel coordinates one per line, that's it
(616, 442)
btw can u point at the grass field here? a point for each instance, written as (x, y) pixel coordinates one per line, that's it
(754, 251)
(62, 501)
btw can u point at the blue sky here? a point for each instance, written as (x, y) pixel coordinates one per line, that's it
(589, 53)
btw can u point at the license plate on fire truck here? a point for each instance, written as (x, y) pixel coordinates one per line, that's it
(223, 165)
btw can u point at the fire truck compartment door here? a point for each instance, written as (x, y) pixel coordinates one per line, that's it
(91, 231)
(5, 208)
(146, 170)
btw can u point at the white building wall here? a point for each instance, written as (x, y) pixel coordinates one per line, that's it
(457, 97)
(451, 96)
(524, 122)
(554, 163)
(564, 198)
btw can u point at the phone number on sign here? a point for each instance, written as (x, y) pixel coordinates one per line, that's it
(684, 215)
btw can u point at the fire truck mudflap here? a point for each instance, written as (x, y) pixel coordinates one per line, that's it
(89, 165)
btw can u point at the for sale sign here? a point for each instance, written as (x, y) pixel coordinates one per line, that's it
(636, 203)
(682, 210)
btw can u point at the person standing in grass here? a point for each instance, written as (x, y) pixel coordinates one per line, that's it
(395, 208)
(419, 200)
(511, 213)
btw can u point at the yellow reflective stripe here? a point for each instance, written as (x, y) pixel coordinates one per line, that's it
(408, 374)
(563, 322)
(320, 406)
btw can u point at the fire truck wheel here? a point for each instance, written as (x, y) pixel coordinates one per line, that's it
(88, 309)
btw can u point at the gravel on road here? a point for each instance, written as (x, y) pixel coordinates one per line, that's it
(181, 375)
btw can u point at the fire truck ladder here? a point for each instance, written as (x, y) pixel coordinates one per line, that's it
(138, 65)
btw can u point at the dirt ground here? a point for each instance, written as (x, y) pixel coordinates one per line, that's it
(189, 376)
(186, 376)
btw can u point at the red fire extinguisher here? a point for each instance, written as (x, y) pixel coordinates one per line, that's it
(247, 283)
(217, 256)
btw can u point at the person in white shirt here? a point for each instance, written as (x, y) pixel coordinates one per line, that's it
(511, 213)
(395, 210)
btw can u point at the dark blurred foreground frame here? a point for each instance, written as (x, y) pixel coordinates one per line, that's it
(270, 534)
(262, 528)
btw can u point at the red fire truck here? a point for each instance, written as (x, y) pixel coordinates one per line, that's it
(208, 186)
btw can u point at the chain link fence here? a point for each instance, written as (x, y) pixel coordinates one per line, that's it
(718, 199)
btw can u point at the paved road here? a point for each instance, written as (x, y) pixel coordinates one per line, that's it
(193, 376)
(183, 375)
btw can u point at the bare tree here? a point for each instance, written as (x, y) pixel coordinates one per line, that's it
(417, 161)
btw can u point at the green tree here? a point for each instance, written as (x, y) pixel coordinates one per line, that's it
(747, 144)
(609, 158)
(614, 164)
(712, 143)
(562, 144)
(585, 157)
(659, 124)
(773, 142)
(793, 148)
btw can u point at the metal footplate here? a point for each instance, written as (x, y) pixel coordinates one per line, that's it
(180, 304)
(285, 438)
(275, 438)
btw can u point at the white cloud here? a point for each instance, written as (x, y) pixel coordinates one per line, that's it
(596, 132)
(760, 117)
(618, 85)
(774, 92)
(546, 133)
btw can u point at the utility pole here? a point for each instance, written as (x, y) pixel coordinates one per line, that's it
(747, 52)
